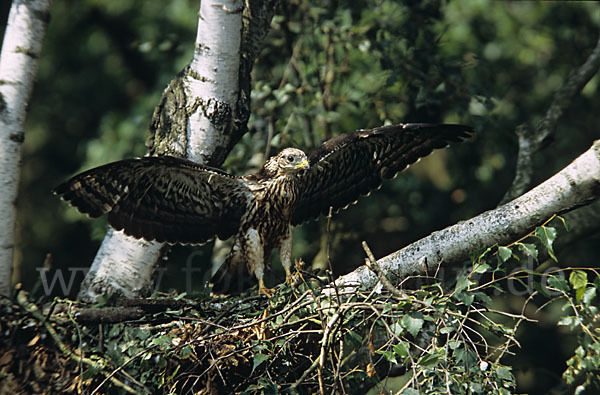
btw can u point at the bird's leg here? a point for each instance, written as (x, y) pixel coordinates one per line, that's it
(285, 255)
(256, 260)
(263, 290)
(259, 272)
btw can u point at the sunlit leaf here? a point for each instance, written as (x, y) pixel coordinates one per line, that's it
(481, 268)
(413, 322)
(578, 279)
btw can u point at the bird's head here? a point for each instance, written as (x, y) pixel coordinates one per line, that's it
(287, 162)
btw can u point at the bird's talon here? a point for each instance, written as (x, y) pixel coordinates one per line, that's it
(289, 279)
(268, 292)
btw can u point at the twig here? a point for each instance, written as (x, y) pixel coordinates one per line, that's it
(324, 345)
(371, 263)
(329, 215)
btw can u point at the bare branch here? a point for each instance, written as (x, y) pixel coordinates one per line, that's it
(531, 141)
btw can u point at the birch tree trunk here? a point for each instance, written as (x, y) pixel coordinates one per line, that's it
(18, 66)
(203, 112)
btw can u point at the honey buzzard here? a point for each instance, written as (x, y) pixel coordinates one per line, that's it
(174, 200)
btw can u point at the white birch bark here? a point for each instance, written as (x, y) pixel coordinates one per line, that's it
(576, 185)
(18, 66)
(124, 265)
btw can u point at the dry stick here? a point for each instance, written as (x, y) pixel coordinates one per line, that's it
(35, 312)
(324, 345)
(531, 142)
(321, 357)
(371, 263)
(329, 216)
(338, 368)
(576, 185)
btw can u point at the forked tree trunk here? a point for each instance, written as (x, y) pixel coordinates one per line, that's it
(201, 115)
(18, 66)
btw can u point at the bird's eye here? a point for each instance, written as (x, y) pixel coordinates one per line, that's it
(290, 158)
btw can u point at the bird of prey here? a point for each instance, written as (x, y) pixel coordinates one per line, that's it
(174, 200)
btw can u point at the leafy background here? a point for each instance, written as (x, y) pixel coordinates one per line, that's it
(326, 68)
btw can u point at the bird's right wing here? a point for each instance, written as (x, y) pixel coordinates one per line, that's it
(161, 198)
(350, 165)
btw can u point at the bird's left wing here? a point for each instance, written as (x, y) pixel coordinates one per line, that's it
(354, 164)
(162, 198)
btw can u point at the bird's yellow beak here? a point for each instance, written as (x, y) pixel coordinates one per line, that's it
(303, 165)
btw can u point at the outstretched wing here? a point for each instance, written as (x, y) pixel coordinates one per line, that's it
(161, 198)
(354, 164)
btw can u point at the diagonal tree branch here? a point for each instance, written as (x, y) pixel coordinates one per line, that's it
(531, 141)
(576, 185)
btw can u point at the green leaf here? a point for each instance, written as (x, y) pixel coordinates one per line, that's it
(504, 253)
(162, 341)
(258, 359)
(175, 371)
(162, 362)
(461, 284)
(486, 299)
(397, 328)
(588, 296)
(504, 373)
(454, 344)
(185, 352)
(467, 357)
(559, 283)
(529, 249)
(180, 296)
(481, 268)
(387, 308)
(465, 297)
(413, 322)
(429, 360)
(400, 350)
(353, 339)
(570, 321)
(547, 235)
(447, 329)
(578, 279)
(388, 355)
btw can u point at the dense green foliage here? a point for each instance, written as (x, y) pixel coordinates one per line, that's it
(326, 68)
